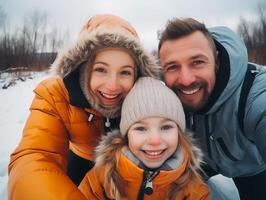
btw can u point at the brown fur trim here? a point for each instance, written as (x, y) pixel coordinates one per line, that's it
(89, 42)
(110, 147)
(82, 54)
(107, 153)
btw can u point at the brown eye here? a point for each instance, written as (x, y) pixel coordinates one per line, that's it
(99, 69)
(197, 62)
(171, 68)
(166, 127)
(126, 73)
(139, 128)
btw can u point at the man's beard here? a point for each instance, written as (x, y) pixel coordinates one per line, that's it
(189, 106)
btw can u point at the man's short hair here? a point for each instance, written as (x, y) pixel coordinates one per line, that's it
(177, 28)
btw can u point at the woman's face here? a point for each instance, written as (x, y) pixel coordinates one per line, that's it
(113, 75)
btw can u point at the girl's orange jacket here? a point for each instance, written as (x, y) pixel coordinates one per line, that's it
(114, 169)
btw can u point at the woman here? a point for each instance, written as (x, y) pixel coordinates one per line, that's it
(73, 109)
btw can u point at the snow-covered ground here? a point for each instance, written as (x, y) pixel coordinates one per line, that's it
(14, 109)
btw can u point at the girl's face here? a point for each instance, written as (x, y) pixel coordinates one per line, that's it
(153, 140)
(112, 76)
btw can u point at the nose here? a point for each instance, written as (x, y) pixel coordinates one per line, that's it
(154, 139)
(186, 77)
(112, 84)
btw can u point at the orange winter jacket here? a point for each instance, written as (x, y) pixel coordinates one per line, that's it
(61, 117)
(112, 160)
(39, 162)
(92, 184)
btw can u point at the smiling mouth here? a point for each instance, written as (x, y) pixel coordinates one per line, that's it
(153, 153)
(189, 92)
(108, 99)
(109, 96)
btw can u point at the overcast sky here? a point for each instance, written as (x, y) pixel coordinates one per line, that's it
(147, 16)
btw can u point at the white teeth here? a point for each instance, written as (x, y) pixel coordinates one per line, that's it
(153, 153)
(109, 96)
(189, 92)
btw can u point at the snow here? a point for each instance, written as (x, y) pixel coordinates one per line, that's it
(14, 109)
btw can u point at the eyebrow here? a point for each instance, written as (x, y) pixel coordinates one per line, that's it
(198, 56)
(166, 120)
(100, 62)
(190, 58)
(106, 64)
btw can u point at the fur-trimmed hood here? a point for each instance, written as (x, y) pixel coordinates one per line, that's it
(113, 144)
(105, 31)
(74, 63)
(111, 151)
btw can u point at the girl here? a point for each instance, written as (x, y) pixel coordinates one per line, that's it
(72, 110)
(152, 157)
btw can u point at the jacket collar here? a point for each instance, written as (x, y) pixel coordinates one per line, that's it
(130, 171)
(233, 62)
(172, 163)
(222, 78)
(76, 95)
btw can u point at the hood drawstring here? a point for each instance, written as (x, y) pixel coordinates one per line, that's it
(107, 123)
(90, 117)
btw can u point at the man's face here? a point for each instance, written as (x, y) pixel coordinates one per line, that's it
(189, 69)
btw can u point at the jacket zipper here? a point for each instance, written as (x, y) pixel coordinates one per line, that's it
(209, 136)
(146, 185)
(190, 121)
(209, 139)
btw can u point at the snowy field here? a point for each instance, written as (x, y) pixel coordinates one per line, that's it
(14, 109)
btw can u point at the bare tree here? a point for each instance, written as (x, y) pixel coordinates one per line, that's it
(30, 45)
(254, 34)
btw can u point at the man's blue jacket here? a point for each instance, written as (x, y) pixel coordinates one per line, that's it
(228, 150)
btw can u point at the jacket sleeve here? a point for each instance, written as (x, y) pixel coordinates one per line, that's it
(37, 168)
(91, 186)
(197, 190)
(255, 119)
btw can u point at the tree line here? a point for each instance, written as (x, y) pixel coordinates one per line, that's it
(30, 46)
(254, 34)
(33, 44)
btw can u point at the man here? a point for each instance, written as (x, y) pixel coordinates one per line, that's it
(206, 69)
